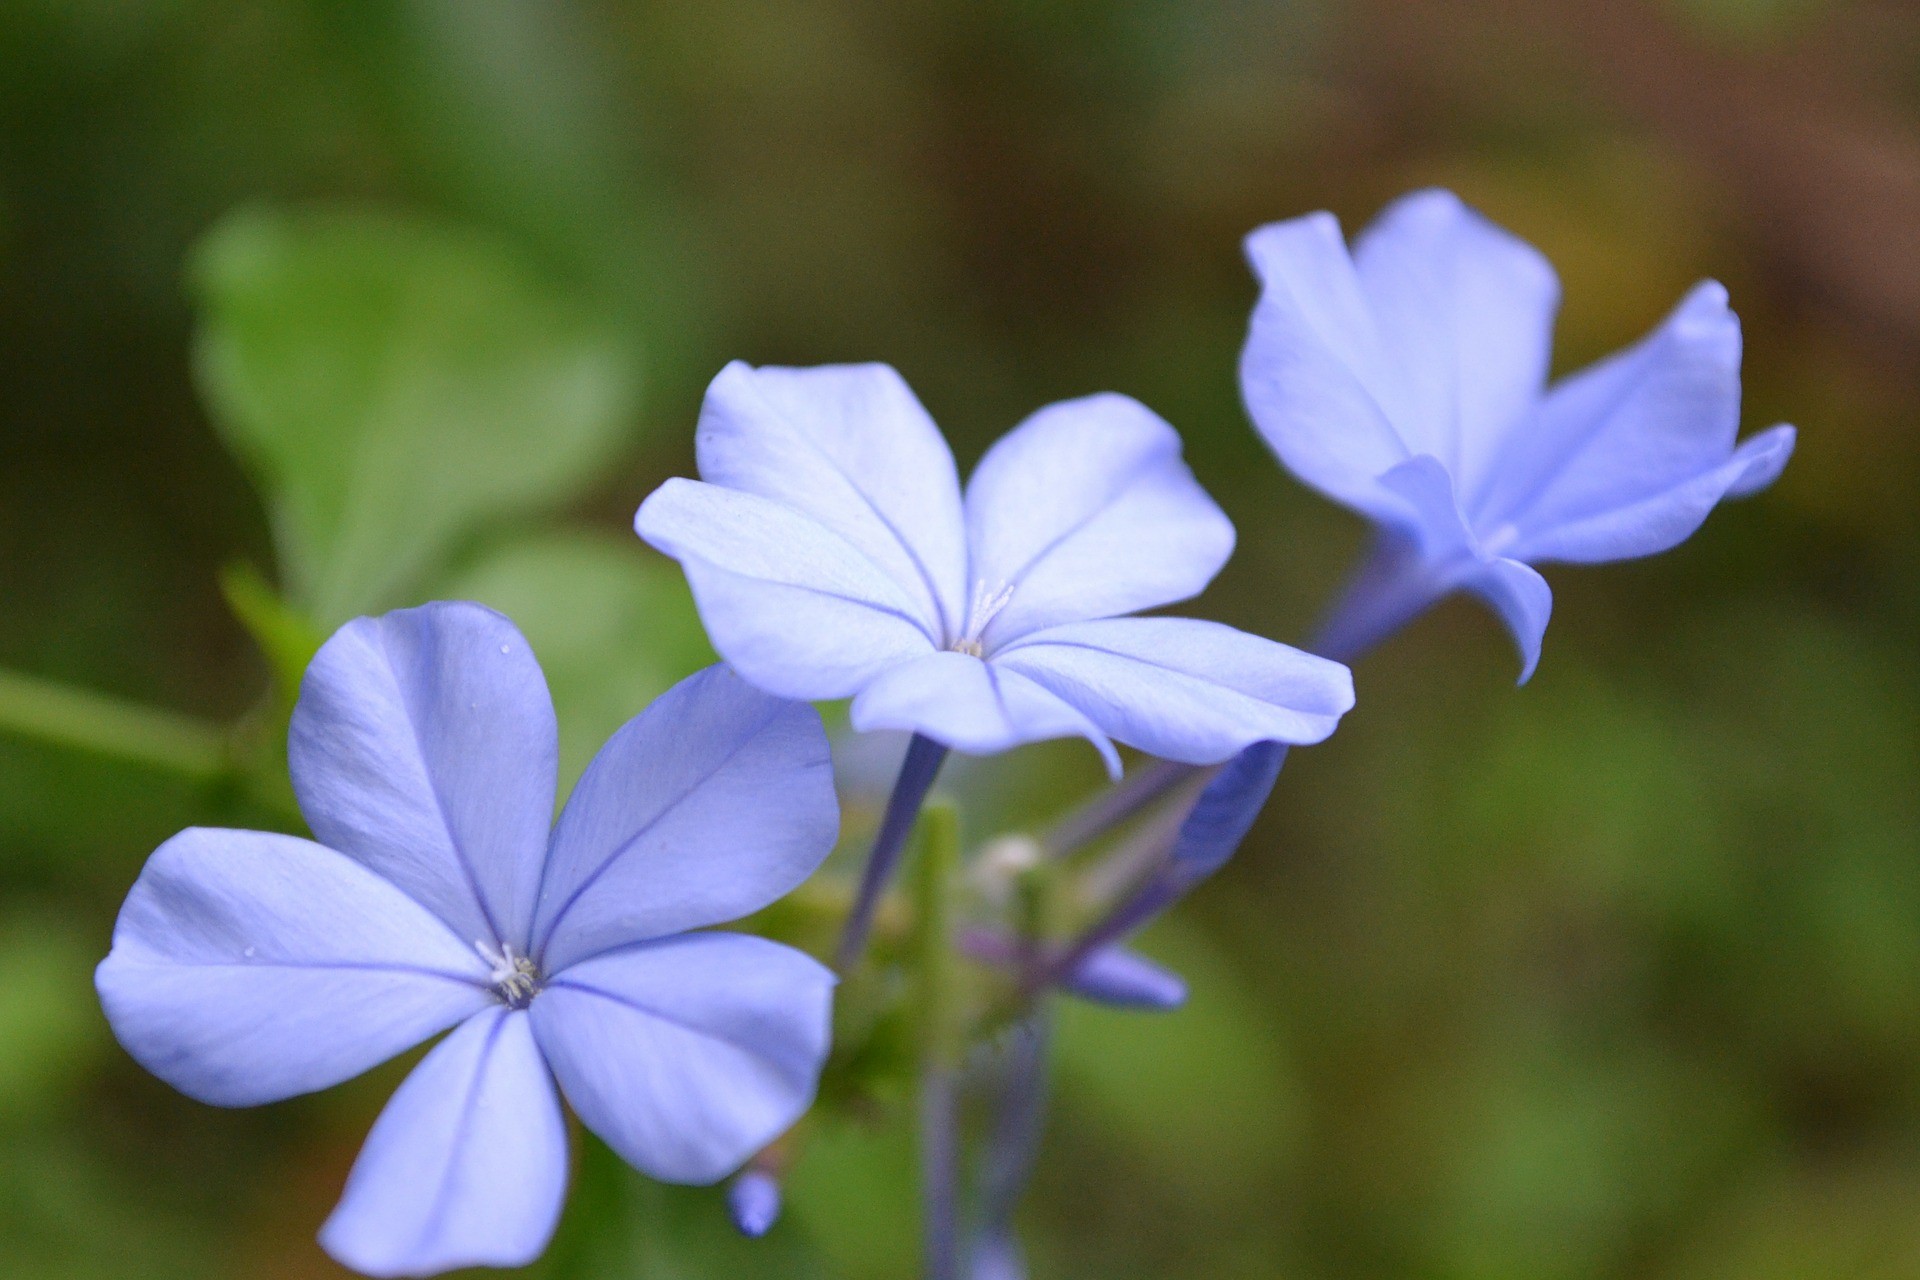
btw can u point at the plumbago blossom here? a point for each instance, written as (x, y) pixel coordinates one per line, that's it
(248, 967)
(1406, 379)
(833, 554)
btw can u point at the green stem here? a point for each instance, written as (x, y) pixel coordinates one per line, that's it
(34, 708)
(941, 1039)
(936, 964)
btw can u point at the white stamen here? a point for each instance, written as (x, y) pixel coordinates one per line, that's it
(515, 978)
(986, 606)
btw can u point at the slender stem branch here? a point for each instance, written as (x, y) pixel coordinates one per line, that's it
(1134, 793)
(1213, 826)
(1135, 856)
(1388, 592)
(1014, 1139)
(1391, 588)
(940, 1169)
(87, 721)
(917, 771)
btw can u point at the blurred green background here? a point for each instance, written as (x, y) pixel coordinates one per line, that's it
(1617, 975)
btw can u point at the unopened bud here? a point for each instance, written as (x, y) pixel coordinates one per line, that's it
(1115, 976)
(1001, 863)
(753, 1202)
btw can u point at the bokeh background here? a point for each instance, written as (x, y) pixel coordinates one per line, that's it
(1616, 975)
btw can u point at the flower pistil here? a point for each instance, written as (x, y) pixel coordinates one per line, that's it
(516, 978)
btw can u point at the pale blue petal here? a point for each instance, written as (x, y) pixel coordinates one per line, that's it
(248, 967)
(1312, 372)
(1640, 423)
(708, 805)
(1428, 513)
(466, 1166)
(972, 706)
(1196, 692)
(1453, 558)
(1085, 510)
(1524, 602)
(424, 745)
(1220, 818)
(689, 1054)
(1425, 553)
(1759, 460)
(1108, 974)
(1392, 586)
(791, 605)
(850, 446)
(1466, 309)
(1662, 520)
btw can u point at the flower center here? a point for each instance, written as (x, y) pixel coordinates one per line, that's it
(1497, 542)
(515, 978)
(986, 606)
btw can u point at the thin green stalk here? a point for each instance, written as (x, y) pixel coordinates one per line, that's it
(941, 1039)
(50, 712)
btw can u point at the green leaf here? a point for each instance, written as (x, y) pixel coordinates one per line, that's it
(287, 639)
(394, 383)
(612, 624)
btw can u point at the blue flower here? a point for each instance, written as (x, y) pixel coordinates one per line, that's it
(1408, 381)
(833, 555)
(248, 967)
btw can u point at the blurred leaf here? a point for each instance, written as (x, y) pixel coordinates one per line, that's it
(1748, 20)
(87, 817)
(287, 639)
(1564, 1149)
(83, 720)
(855, 1188)
(1830, 1220)
(1587, 783)
(394, 383)
(1206, 1092)
(65, 1214)
(50, 1028)
(612, 624)
(624, 1226)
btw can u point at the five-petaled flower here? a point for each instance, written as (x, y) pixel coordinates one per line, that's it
(248, 967)
(833, 554)
(1407, 380)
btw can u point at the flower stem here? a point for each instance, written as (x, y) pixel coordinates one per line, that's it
(69, 717)
(1390, 589)
(1014, 1140)
(1207, 836)
(1387, 593)
(941, 1043)
(1117, 804)
(924, 757)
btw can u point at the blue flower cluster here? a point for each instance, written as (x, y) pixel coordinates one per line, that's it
(834, 553)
